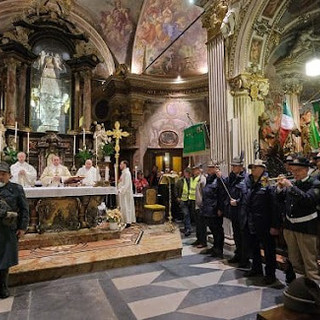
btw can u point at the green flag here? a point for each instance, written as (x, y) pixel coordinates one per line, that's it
(316, 109)
(195, 141)
(314, 134)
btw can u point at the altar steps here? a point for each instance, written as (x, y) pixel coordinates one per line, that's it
(135, 245)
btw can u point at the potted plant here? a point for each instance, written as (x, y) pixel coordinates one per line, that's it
(114, 218)
(83, 155)
(10, 155)
(107, 150)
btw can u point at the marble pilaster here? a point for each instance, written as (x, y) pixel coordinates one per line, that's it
(11, 93)
(249, 91)
(86, 99)
(77, 105)
(21, 110)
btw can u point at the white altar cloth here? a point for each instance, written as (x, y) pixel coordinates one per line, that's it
(53, 192)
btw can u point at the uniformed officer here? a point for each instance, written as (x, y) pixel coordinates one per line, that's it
(14, 218)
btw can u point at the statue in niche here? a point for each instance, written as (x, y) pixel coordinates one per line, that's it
(50, 94)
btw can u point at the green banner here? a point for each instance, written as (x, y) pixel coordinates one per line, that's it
(195, 140)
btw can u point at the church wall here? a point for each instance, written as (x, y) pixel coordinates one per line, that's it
(167, 116)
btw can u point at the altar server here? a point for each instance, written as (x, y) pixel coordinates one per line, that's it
(126, 194)
(54, 174)
(90, 173)
(22, 172)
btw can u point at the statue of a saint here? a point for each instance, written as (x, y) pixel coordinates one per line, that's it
(100, 138)
(2, 135)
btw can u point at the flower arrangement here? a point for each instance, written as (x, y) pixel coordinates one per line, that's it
(84, 154)
(107, 149)
(114, 215)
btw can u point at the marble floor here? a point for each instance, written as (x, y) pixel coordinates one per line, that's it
(194, 287)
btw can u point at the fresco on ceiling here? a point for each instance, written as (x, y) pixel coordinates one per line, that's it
(271, 8)
(255, 51)
(118, 20)
(162, 21)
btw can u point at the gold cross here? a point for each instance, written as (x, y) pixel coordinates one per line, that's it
(117, 134)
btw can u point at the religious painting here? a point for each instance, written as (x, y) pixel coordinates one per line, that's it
(117, 20)
(161, 23)
(271, 8)
(255, 51)
(168, 138)
(50, 88)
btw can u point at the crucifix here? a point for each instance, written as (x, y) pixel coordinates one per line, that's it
(117, 134)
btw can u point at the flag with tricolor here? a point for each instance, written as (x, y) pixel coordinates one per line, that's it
(287, 123)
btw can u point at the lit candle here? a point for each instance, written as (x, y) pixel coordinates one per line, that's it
(115, 175)
(28, 142)
(15, 132)
(107, 174)
(74, 145)
(84, 136)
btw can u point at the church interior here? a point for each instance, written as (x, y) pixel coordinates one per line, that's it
(77, 75)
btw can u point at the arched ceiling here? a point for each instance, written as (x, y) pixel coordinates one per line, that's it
(137, 33)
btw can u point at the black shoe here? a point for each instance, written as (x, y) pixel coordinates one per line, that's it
(206, 251)
(128, 225)
(269, 280)
(4, 292)
(234, 259)
(217, 254)
(253, 273)
(195, 243)
(187, 233)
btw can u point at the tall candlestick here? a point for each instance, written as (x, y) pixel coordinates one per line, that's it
(96, 146)
(15, 132)
(74, 145)
(107, 173)
(116, 175)
(84, 136)
(28, 142)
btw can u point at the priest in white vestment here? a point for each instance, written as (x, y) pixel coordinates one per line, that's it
(126, 194)
(55, 174)
(90, 174)
(22, 172)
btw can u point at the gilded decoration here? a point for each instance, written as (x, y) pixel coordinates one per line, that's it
(214, 16)
(256, 85)
(19, 34)
(61, 7)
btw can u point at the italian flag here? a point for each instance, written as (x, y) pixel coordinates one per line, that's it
(287, 123)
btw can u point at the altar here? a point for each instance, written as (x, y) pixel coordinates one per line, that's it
(65, 208)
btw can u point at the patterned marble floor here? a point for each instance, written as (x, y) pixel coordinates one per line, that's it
(194, 287)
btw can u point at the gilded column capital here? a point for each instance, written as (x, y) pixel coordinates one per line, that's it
(292, 83)
(254, 84)
(213, 17)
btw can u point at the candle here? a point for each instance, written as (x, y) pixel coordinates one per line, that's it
(15, 132)
(107, 174)
(74, 145)
(115, 175)
(136, 172)
(97, 173)
(28, 142)
(84, 136)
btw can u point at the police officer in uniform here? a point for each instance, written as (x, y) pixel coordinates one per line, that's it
(14, 218)
(235, 184)
(263, 222)
(300, 226)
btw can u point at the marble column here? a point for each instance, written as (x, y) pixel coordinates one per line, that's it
(86, 111)
(292, 86)
(249, 92)
(21, 101)
(76, 100)
(11, 93)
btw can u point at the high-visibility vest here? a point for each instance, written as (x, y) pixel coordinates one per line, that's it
(189, 194)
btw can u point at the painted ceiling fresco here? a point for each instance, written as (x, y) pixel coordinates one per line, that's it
(139, 31)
